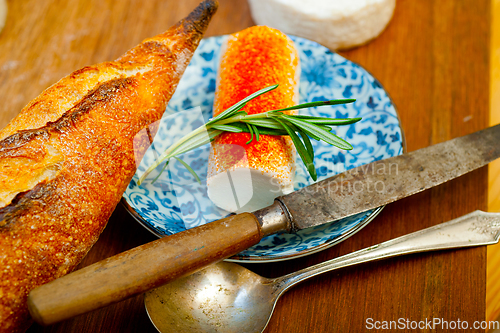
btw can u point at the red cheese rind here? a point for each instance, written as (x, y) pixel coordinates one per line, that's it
(253, 59)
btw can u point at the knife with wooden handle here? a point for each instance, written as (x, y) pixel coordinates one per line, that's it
(153, 264)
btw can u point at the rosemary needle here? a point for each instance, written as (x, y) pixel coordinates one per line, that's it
(273, 122)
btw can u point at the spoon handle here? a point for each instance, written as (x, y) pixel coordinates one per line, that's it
(474, 229)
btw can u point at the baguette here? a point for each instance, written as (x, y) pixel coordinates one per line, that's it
(69, 155)
(258, 172)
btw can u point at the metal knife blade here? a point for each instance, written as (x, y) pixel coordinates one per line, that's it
(155, 263)
(378, 183)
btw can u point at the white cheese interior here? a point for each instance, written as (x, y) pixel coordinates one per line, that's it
(243, 190)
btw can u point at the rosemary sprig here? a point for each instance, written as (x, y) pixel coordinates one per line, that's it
(275, 122)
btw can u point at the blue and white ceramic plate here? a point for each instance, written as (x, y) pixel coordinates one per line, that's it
(176, 201)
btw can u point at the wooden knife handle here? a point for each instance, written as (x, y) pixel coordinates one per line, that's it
(142, 268)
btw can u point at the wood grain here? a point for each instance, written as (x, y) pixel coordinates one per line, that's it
(137, 270)
(433, 59)
(493, 258)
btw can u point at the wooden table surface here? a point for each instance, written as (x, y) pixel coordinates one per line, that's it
(433, 59)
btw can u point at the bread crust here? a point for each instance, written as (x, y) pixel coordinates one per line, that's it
(71, 152)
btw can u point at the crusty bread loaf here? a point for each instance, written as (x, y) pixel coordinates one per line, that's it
(253, 59)
(66, 159)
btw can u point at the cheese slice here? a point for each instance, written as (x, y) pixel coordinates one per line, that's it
(246, 177)
(336, 24)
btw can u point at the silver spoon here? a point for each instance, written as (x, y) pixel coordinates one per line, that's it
(227, 297)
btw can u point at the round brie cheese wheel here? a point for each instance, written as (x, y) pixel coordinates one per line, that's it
(336, 24)
(3, 13)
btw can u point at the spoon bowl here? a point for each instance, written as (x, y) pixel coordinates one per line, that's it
(227, 297)
(224, 297)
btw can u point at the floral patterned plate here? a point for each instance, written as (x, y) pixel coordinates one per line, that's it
(176, 201)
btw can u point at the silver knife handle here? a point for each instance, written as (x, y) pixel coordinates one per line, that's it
(474, 229)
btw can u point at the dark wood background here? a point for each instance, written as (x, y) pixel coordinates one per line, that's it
(432, 59)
